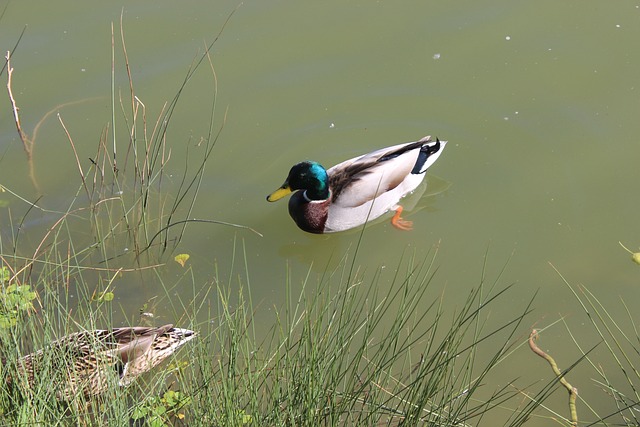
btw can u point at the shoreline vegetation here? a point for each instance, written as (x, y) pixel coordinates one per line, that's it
(339, 352)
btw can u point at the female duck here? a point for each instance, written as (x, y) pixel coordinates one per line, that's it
(87, 362)
(357, 190)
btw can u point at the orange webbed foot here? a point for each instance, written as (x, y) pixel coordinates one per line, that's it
(399, 223)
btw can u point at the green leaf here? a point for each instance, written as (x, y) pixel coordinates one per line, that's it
(103, 296)
(4, 274)
(139, 412)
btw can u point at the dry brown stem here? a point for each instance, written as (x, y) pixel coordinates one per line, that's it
(27, 143)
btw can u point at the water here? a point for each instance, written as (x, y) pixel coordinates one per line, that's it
(539, 102)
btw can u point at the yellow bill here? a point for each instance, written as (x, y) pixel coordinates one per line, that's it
(279, 193)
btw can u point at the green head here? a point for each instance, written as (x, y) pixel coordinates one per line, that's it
(308, 176)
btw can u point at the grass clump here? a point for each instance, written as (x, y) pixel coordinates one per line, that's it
(613, 368)
(121, 221)
(347, 350)
(347, 353)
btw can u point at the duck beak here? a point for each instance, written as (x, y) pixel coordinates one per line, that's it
(279, 193)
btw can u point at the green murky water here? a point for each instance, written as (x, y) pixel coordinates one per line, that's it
(539, 101)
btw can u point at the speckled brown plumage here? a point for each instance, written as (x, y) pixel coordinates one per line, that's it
(88, 362)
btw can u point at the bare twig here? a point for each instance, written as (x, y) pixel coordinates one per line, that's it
(75, 153)
(27, 143)
(573, 392)
(207, 221)
(113, 91)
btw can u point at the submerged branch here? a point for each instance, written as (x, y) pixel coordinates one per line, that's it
(27, 143)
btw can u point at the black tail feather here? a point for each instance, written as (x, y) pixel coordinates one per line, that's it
(425, 152)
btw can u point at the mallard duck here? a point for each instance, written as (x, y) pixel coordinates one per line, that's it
(87, 362)
(357, 190)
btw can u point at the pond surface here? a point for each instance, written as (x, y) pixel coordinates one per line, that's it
(540, 103)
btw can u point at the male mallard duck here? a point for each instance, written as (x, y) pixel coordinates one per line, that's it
(357, 190)
(87, 362)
